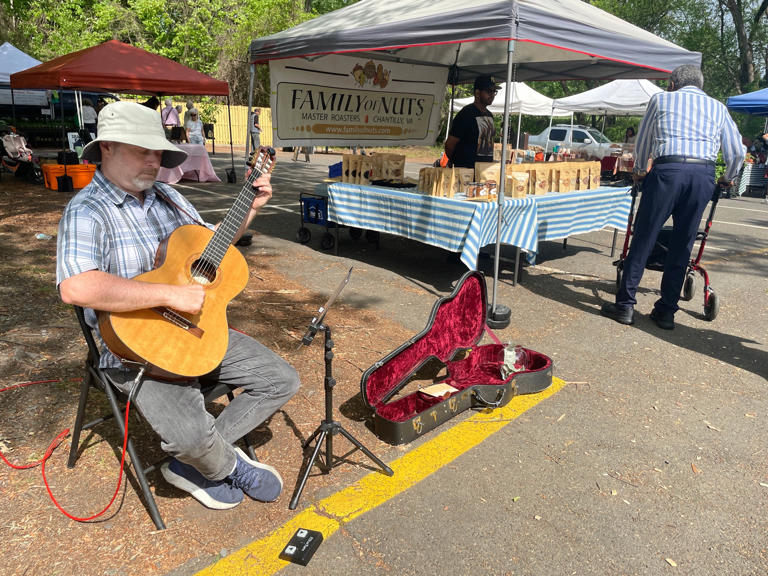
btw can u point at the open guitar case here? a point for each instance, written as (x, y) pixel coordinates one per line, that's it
(443, 370)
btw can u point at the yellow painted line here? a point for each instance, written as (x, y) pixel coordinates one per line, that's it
(328, 515)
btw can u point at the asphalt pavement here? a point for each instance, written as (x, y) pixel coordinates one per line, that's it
(651, 459)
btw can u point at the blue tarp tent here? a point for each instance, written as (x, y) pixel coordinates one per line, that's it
(751, 103)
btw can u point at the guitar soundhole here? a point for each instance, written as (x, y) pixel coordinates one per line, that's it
(203, 272)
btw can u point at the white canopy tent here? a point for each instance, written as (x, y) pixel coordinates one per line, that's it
(515, 40)
(621, 97)
(523, 100)
(13, 60)
(618, 98)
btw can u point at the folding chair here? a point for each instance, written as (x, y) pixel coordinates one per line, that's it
(177, 134)
(97, 378)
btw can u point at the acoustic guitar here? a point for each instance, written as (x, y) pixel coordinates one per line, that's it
(178, 345)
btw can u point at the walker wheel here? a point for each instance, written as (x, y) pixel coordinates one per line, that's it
(303, 235)
(355, 233)
(712, 307)
(327, 241)
(689, 287)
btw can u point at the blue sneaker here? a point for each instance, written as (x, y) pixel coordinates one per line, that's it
(218, 495)
(259, 481)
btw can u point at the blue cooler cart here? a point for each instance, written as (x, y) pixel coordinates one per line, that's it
(314, 210)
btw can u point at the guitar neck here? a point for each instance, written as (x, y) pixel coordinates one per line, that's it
(227, 230)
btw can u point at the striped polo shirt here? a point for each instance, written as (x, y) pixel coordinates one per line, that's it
(105, 228)
(688, 123)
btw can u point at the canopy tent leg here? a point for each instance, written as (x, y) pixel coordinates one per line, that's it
(498, 315)
(250, 108)
(63, 130)
(231, 147)
(452, 76)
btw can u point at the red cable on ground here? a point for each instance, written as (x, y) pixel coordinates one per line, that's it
(28, 384)
(55, 444)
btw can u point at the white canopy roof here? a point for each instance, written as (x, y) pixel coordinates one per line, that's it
(522, 100)
(554, 40)
(13, 60)
(617, 98)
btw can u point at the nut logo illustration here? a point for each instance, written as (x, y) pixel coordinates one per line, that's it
(371, 73)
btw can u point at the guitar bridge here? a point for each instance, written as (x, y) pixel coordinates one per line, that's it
(178, 320)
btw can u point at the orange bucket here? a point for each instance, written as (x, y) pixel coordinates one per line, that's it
(81, 174)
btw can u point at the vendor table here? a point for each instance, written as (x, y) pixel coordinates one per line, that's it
(463, 226)
(197, 166)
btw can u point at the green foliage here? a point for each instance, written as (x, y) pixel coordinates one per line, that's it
(325, 6)
(208, 108)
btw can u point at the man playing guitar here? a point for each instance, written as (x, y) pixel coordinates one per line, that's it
(109, 234)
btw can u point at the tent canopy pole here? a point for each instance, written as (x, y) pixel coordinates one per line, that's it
(453, 75)
(250, 107)
(231, 148)
(502, 174)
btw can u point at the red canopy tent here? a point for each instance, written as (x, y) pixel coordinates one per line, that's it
(118, 67)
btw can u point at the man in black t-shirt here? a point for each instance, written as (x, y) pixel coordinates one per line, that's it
(470, 138)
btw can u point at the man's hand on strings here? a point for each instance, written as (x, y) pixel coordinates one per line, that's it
(263, 188)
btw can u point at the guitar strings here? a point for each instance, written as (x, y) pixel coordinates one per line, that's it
(206, 265)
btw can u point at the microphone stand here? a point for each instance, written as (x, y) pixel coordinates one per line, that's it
(328, 428)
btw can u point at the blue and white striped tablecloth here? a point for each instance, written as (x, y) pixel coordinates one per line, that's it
(465, 227)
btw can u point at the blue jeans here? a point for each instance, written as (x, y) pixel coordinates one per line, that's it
(176, 410)
(683, 192)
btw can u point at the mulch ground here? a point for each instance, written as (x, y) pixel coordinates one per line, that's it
(40, 341)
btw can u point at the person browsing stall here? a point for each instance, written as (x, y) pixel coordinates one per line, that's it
(194, 128)
(681, 133)
(90, 116)
(255, 129)
(108, 234)
(169, 115)
(190, 105)
(472, 132)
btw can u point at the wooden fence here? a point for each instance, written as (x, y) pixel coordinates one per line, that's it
(239, 117)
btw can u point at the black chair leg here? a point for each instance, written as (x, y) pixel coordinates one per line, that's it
(138, 467)
(84, 389)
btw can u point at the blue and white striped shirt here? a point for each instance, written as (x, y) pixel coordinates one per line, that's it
(688, 123)
(105, 228)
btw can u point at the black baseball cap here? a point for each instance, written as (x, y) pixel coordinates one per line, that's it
(486, 83)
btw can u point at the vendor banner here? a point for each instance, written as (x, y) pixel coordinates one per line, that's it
(24, 97)
(354, 101)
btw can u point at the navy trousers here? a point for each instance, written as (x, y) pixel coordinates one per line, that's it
(681, 191)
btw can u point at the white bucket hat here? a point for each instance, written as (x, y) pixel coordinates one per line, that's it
(132, 123)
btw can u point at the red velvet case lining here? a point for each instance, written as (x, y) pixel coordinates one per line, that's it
(458, 323)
